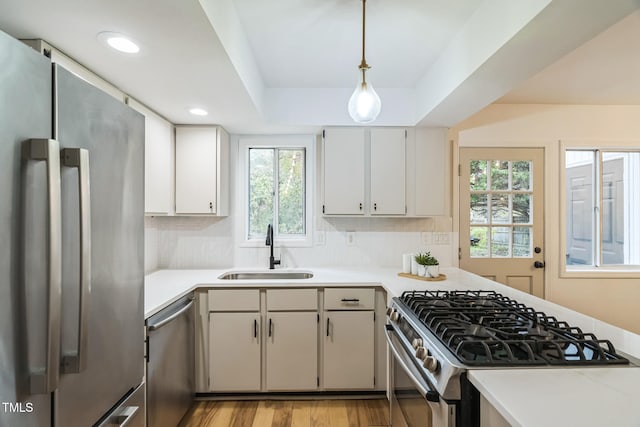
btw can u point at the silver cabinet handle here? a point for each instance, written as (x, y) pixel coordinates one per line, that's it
(45, 380)
(79, 158)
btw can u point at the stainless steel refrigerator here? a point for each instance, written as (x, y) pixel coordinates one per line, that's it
(71, 249)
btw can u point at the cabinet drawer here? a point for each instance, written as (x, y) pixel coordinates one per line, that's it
(234, 300)
(292, 299)
(349, 298)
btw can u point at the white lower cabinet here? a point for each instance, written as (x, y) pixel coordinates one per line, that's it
(234, 353)
(288, 340)
(348, 350)
(292, 351)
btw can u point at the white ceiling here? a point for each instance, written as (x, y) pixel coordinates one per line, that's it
(289, 65)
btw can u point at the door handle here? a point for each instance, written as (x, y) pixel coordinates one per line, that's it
(79, 158)
(538, 264)
(43, 381)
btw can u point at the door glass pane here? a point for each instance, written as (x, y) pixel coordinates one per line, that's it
(522, 242)
(499, 175)
(500, 241)
(261, 170)
(504, 203)
(479, 209)
(291, 191)
(479, 244)
(478, 175)
(521, 175)
(500, 213)
(522, 208)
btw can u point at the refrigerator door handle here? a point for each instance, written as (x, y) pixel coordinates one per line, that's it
(124, 417)
(46, 380)
(79, 158)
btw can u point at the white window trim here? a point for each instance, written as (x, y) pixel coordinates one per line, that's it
(587, 272)
(276, 141)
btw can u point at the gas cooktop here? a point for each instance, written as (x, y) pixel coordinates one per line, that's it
(484, 328)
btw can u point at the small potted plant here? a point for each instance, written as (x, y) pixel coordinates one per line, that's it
(421, 259)
(432, 266)
(428, 266)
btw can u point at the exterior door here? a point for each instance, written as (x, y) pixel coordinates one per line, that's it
(501, 219)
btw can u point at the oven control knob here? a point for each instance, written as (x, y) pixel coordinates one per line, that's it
(394, 316)
(390, 310)
(417, 342)
(431, 364)
(422, 353)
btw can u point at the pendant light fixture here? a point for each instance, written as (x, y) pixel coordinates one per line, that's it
(364, 104)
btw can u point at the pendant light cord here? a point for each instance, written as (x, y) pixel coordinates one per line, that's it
(363, 64)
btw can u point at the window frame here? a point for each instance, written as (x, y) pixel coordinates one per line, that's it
(245, 143)
(620, 271)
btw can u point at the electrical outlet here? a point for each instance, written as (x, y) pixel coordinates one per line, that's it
(320, 238)
(441, 238)
(350, 238)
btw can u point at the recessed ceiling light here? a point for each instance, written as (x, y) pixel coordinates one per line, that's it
(119, 42)
(198, 111)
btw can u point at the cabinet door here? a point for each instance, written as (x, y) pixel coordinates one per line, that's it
(348, 355)
(234, 352)
(432, 172)
(344, 171)
(388, 147)
(196, 170)
(292, 351)
(158, 161)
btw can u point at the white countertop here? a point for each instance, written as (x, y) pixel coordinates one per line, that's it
(585, 397)
(524, 397)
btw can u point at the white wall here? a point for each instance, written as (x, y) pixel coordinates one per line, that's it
(611, 299)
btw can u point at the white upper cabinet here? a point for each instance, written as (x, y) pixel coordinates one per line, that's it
(388, 176)
(202, 170)
(364, 171)
(158, 161)
(386, 171)
(344, 161)
(432, 172)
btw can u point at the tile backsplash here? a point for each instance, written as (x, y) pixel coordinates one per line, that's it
(210, 242)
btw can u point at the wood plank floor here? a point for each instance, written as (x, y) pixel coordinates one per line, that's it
(288, 413)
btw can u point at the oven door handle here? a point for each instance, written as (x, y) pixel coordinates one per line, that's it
(410, 370)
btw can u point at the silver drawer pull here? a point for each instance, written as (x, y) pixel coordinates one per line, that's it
(351, 300)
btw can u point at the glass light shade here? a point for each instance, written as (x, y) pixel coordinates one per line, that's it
(364, 104)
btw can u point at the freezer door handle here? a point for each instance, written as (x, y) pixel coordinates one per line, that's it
(79, 158)
(45, 380)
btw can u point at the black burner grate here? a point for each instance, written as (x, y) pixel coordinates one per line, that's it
(484, 328)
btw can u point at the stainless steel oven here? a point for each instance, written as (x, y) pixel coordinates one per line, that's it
(413, 401)
(436, 337)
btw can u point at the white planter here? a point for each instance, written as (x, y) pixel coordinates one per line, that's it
(422, 270)
(433, 270)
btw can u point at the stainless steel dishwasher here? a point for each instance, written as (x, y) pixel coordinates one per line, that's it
(170, 363)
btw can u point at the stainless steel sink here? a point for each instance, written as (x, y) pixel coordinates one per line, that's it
(266, 275)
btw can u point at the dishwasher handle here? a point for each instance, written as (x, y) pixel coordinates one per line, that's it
(169, 319)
